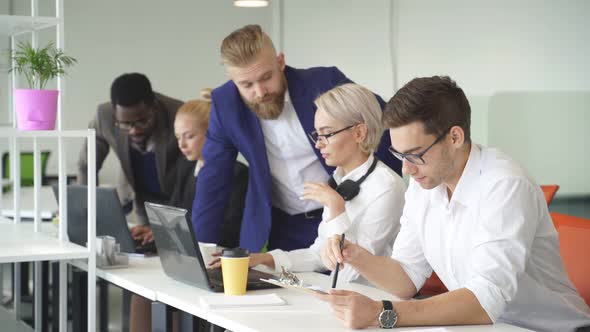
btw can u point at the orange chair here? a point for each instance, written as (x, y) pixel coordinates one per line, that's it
(549, 191)
(433, 286)
(574, 246)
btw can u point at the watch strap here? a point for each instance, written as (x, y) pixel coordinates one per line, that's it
(387, 305)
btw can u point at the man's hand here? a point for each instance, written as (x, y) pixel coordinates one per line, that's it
(355, 310)
(142, 233)
(351, 253)
(325, 195)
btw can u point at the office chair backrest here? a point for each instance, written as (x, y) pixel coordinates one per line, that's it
(26, 167)
(574, 246)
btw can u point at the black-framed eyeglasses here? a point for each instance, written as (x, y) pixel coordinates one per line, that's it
(416, 158)
(323, 138)
(139, 124)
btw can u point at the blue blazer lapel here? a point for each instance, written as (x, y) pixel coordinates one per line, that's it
(302, 100)
(254, 142)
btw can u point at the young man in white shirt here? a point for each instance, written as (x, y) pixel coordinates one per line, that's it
(473, 216)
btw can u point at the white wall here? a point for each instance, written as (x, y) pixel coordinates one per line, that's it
(175, 43)
(491, 48)
(350, 34)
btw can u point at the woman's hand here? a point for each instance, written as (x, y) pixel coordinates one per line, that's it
(325, 195)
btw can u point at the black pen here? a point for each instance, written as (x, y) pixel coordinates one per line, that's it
(335, 277)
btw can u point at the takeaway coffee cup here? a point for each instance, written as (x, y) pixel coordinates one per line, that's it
(234, 269)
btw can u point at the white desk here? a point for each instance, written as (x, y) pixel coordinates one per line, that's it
(141, 277)
(145, 277)
(20, 243)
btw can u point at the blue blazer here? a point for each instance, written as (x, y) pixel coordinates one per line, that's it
(234, 128)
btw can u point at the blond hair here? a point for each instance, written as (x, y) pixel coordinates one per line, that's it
(198, 109)
(353, 104)
(242, 46)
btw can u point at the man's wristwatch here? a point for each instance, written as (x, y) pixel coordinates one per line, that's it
(388, 316)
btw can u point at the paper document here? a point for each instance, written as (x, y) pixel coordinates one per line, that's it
(306, 288)
(233, 301)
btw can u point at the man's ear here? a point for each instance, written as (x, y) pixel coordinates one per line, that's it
(281, 60)
(457, 136)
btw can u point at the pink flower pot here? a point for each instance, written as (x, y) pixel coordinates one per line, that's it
(35, 109)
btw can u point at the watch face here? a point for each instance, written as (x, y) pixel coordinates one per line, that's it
(387, 319)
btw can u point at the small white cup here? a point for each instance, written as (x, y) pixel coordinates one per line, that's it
(207, 251)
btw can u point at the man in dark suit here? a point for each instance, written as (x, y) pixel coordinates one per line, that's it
(265, 112)
(138, 124)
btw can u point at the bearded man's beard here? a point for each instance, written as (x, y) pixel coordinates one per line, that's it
(270, 106)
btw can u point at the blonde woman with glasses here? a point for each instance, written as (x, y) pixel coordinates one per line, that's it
(364, 197)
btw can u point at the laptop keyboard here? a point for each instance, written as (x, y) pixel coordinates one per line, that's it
(253, 276)
(149, 247)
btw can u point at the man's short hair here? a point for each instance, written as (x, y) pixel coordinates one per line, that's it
(131, 89)
(353, 104)
(242, 46)
(435, 101)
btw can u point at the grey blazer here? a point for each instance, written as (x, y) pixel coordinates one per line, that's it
(168, 156)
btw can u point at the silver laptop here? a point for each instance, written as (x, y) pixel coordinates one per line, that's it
(180, 254)
(110, 219)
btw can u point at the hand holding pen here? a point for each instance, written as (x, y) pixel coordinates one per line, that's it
(335, 276)
(336, 253)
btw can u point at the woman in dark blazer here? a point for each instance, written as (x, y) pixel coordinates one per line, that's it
(190, 126)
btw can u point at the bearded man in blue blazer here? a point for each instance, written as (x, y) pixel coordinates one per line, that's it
(265, 112)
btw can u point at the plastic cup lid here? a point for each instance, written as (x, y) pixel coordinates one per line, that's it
(235, 253)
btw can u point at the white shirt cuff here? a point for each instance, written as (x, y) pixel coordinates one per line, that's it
(281, 259)
(489, 296)
(338, 225)
(417, 278)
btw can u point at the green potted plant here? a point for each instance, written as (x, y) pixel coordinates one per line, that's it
(35, 107)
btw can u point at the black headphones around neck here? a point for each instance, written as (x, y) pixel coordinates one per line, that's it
(349, 189)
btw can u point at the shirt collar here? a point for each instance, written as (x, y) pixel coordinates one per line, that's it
(466, 189)
(356, 173)
(200, 164)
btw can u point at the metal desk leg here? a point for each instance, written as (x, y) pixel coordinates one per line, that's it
(103, 306)
(79, 300)
(41, 296)
(190, 323)
(55, 296)
(126, 308)
(161, 317)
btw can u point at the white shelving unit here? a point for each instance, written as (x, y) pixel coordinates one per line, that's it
(13, 25)
(36, 242)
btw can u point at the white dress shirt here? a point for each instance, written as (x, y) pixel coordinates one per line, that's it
(198, 166)
(371, 220)
(495, 238)
(292, 161)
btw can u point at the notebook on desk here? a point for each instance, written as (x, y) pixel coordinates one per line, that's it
(110, 219)
(180, 254)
